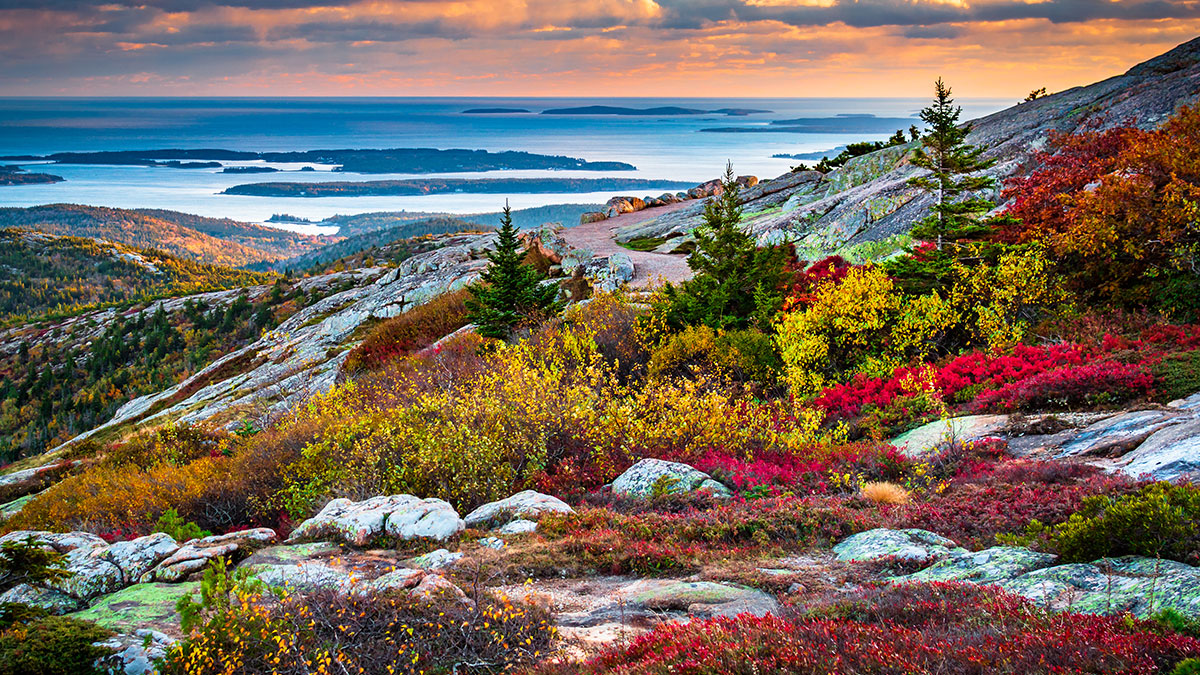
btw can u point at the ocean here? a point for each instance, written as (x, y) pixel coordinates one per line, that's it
(673, 147)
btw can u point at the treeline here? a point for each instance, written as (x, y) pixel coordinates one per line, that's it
(44, 274)
(217, 241)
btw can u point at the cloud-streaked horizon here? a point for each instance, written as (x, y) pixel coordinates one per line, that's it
(748, 48)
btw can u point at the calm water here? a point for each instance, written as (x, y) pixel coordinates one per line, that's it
(660, 147)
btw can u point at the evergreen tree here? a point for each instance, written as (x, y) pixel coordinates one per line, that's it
(953, 166)
(510, 292)
(736, 283)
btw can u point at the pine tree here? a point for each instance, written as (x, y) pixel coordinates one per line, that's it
(736, 283)
(953, 166)
(511, 292)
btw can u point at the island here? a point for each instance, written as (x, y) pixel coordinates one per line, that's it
(431, 186)
(495, 111)
(15, 175)
(394, 160)
(651, 112)
(832, 152)
(842, 124)
(249, 169)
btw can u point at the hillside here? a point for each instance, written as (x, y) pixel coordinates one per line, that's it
(217, 241)
(390, 246)
(48, 274)
(868, 199)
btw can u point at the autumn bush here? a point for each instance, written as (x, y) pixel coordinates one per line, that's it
(415, 328)
(240, 628)
(943, 629)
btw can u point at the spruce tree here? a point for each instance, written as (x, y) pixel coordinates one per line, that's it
(735, 282)
(953, 167)
(510, 291)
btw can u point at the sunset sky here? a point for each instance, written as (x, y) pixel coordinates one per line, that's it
(602, 48)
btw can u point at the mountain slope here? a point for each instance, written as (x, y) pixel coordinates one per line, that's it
(48, 273)
(869, 198)
(210, 240)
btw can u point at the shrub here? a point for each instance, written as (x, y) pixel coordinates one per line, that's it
(51, 645)
(1158, 521)
(415, 328)
(1177, 375)
(238, 629)
(1187, 667)
(27, 561)
(943, 629)
(171, 523)
(1070, 388)
(884, 493)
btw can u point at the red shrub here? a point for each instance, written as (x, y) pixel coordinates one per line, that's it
(1072, 387)
(946, 629)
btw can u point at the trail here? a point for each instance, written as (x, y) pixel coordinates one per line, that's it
(648, 268)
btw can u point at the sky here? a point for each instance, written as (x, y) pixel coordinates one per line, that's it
(593, 48)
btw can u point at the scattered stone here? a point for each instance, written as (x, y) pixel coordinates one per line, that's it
(492, 542)
(403, 516)
(913, 545)
(931, 436)
(435, 560)
(648, 475)
(528, 505)
(401, 579)
(702, 599)
(55, 602)
(435, 585)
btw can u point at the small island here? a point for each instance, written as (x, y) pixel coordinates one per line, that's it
(649, 112)
(495, 111)
(15, 175)
(249, 169)
(415, 187)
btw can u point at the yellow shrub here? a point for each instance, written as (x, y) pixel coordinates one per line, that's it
(1002, 298)
(884, 493)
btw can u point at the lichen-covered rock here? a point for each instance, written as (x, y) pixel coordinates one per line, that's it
(518, 526)
(291, 554)
(647, 476)
(696, 597)
(140, 606)
(401, 579)
(306, 576)
(196, 554)
(912, 545)
(435, 560)
(63, 542)
(1140, 586)
(609, 273)
(528, 504)
(136, 653)
(135, 558)
(435, 586)
(930, 436)
(403, 516)
(55, 602)
(988, 566)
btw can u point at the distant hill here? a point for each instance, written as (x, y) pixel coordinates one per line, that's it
(44, 273)
(430, 186)
(218, 241)
(380, 245)
(567, 214)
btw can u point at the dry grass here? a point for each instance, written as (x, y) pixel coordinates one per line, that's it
(884, 493)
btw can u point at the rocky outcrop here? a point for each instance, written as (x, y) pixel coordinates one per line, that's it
(1140, 586)
(195, 555)
(22, 483)
(869, 198)
(655, 476)
(527, 505)
(617, 206)
(136, 653)
(670, 600)
(400, 516)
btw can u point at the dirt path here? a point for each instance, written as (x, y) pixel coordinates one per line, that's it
(648, 268)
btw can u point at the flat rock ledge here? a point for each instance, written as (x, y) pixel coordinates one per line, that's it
(1129, 584)
(401, 516)
(655, 476)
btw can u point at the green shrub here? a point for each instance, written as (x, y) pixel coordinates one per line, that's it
(1187, 667)
(180, 530)
(1178, 622)
(1158, 521)
(16, 612)
(26, 561)
(52, 645)
(1177, 375)
(750, 355)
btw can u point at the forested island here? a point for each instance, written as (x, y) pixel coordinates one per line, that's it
(15, 175)
(394, 160)
(430, 186)
(662, 110)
